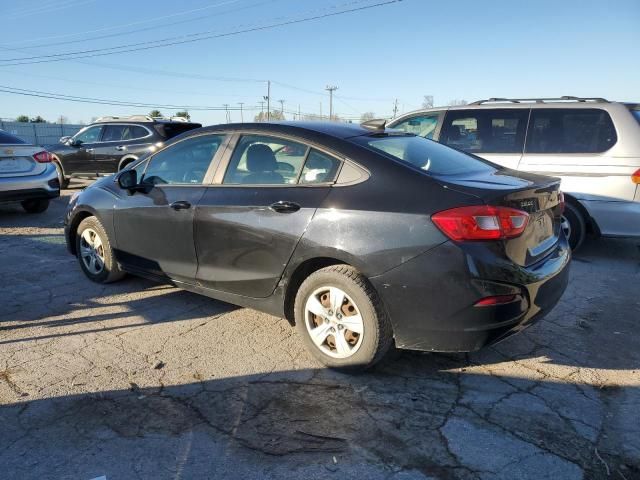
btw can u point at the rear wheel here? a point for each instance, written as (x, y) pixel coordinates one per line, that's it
(574, 225)
(341, 319)
(35, 206)
(95, 253)
(64, 182)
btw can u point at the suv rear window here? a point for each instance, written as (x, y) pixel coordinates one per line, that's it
(560, 130)
(427, 155)
(8, 139)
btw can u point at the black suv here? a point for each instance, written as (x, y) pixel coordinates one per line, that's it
(111, 143)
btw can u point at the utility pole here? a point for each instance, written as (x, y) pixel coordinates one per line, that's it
(299, 116)
(281, 108)
(261, 110)
(226, 109)
(268, 99)
(241, 115)
(395, 108)
(331, 89)
(320, 110)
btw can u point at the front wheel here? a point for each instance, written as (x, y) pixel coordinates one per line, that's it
(35, 206)
(95, 253)
(341, 318)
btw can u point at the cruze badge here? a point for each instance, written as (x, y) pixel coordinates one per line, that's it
(8, 151)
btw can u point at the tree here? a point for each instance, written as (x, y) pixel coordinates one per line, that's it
(38, 119)
(276, 115)
(155, 113)
(455, 102)
(22, 118)
(183, 114)
(428, 101)
(366, 116)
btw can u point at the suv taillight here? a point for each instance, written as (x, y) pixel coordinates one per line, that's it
(483, 222)
(42, 157)
(635, 177)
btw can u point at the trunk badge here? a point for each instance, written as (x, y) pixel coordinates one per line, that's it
(8, 151)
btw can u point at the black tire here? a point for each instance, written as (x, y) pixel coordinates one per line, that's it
(110, 271)
(35, 206)
(575, 223)
(124, 164)
(377, 335)
(64, 182)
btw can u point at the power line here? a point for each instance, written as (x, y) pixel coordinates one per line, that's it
(169, 41)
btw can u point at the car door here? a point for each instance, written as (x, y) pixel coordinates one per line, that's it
(154, 226)
(249, 222)
(496, 134)
(79, 158)
(117, 141)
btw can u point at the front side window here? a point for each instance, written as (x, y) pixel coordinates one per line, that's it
(184, 163)
(570, 130)
(265, 160)
(422, 125)
(486, 131)
(90, 135)
(429, 156)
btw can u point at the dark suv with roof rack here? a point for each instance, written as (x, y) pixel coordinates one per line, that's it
(111, 143)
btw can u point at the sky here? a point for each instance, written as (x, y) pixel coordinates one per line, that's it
(403, 50)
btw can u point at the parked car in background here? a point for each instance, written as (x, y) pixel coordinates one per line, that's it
(111, 143)
(27, 174)
(362, 237)
(592, 144)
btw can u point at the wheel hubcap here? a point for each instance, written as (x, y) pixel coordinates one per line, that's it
(92, 251)
(334, 322)
(566, 226)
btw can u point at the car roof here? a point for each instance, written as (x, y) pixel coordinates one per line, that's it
(334, 129)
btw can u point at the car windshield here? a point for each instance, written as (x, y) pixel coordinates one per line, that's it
(8, 139)
(427, 155)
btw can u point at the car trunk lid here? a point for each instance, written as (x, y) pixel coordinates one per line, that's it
(537, 195)
(18, 161)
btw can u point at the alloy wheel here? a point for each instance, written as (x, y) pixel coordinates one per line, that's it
(334, 322)
(566, 227)
(92, 251)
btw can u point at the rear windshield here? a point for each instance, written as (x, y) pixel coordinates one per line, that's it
(427, 155)
(8, 139)
(170, 130)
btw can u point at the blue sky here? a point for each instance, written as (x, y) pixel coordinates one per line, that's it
(452, 50)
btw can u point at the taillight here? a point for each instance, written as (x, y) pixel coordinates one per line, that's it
(561, 201)
(483, 222)
(496, 300)
(635, 178)
(43, 157)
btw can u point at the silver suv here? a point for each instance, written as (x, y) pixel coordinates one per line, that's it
(592, 144)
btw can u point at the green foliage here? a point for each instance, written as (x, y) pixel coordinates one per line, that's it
(22, 118)
(155, 113)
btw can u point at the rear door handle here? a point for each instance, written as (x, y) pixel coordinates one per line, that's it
(121, 148)
(284, 207)
(89, 150)
(180, 205)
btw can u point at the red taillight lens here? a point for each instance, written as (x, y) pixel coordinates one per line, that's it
(481, 223)
(496, 300)
(635, 178)
(561, 201)
(42, 157)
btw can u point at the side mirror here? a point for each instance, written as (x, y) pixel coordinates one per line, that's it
(64, 139)
(128, 180)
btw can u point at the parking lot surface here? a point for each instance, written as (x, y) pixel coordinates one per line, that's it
(140, 380)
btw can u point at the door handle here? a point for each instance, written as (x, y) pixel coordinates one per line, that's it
(121, 148)
(284, 207)
(89, 150)
(180, 205)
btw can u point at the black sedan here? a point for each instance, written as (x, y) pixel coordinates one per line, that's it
(365, 238)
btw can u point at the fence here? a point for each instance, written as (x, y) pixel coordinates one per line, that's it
(40, 133)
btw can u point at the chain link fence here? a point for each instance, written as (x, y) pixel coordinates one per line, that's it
(40, 133)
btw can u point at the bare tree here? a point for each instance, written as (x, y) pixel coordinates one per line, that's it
(276, 115)
(366, 116)
(456, 102)
(428, 101)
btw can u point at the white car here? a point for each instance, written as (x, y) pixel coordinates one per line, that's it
(27, 174)
(592, 144)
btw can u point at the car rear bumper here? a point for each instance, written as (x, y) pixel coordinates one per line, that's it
(430, 299)
(45, 185)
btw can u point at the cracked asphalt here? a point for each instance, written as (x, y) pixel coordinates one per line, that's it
(139, 380)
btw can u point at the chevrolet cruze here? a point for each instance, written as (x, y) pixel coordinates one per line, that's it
(365, 238)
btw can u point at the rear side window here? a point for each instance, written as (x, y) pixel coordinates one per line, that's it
(429, 156)
(133, 132)
(8, 139)
(113, 133)
(319, 168)
(486, 131)
(421, 125)
(570, 131)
